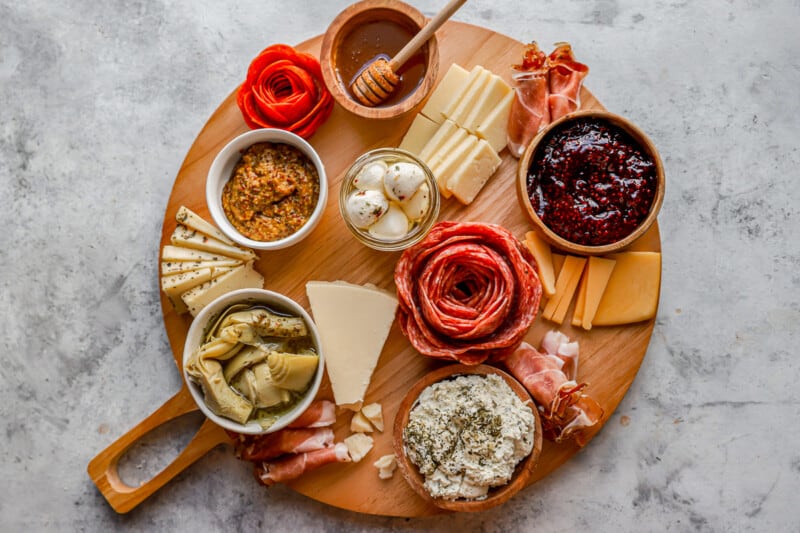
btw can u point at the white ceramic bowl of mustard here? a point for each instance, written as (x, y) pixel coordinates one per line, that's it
(221, 171)
(206, 319)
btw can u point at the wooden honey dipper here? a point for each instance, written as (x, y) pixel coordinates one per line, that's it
(377, 81)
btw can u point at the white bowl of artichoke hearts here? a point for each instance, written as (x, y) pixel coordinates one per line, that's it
(252, 361)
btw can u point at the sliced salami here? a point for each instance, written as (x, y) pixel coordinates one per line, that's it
(468, 291)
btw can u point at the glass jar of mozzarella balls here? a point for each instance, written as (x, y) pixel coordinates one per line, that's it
(389, 199)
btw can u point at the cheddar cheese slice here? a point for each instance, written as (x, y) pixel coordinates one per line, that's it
(476, 169)
(565, 288)
(447, 166)
(469, 100)
(580, 300)
(445, 131)
(488, 99)
(598, 273)
(477, 74)
(544, 261)
(631, 294)
(435, 159)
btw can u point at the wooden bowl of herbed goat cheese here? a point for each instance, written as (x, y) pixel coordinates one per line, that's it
(467, 438)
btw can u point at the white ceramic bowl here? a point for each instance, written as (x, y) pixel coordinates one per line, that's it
(207, 317)
(222, 169)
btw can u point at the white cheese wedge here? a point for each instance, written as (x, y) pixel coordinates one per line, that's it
(176, 267)
(445, 131)
(353, 323)
(445, 169)
(479, 165)
(471, 97)
(494, 127)
(477, 72)
(180, 254)
(189, 238)
(242, 277)
(374, 413)
(193, 221)
(452, 84)
(418, 134)
(358, 445)
(491, 96)
(183, 281)
(386, 466)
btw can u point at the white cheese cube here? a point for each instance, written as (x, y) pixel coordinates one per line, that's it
(358, 445)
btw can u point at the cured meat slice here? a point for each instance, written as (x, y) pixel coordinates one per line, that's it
(567, 412)
(272, 445)
(294, 466)
(468, 291)
(530, 109)
(566, 77)
(319, 414)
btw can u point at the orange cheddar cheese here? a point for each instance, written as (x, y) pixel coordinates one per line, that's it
(566, 283)
(598, 273)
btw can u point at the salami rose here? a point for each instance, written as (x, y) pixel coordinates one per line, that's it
(468, 291)
(284, 89)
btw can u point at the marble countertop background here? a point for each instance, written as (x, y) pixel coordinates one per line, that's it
(99, 102)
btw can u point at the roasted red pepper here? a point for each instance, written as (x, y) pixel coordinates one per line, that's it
(284, 89)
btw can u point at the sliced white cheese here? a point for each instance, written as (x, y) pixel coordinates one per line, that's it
(418, 134)
(353, 323)
(458, 136)
(239, 278)
(179, 253)
(452, 84)
(474, 172)
(491, 96)
(470, 98)
(176, 267)
(189, 238)
(476, 75)
(358, 445)
(183, 281)
(494, 127)
(447, 129)
(193, 221)
(445, 169)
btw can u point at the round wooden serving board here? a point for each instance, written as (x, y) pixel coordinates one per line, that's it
(610, 356)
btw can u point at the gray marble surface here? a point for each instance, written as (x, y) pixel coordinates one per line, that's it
(99, 102)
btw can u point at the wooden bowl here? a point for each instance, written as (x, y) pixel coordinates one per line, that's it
(365, 12)
(559, 241)
(497, 495)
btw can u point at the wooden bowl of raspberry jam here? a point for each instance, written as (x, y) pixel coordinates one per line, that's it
(591, 182)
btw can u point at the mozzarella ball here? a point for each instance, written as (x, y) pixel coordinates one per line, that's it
(364, 208)
(391, 226)
(370, 178)
(417, 206)
(402, 180)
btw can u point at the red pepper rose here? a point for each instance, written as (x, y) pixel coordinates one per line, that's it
(284, 89)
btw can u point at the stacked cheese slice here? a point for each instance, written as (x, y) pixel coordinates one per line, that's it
(461, 130)
(620, 288)
(202, 264)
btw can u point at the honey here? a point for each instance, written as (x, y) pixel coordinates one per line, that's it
(380, 38)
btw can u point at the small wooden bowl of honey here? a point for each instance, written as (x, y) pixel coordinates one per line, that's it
(378, 28)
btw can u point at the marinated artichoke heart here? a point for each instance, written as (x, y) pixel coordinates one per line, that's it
(254, 364)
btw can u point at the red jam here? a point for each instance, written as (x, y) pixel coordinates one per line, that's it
(591, 182)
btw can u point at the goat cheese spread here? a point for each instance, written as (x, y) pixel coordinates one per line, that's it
(467, 434)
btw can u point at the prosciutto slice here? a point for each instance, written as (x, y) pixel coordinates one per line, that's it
(294, 466)
(566, 77)
(272, 445)
(319, 414)
(546, 88)
(567, 412)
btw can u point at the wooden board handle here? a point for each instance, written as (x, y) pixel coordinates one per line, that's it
(424, 34)
(103, 468)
